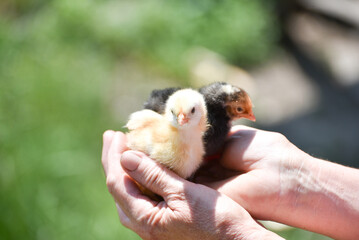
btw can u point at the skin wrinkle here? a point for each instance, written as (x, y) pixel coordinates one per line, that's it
(318, 204)
(153, 176)
(301, 183)
(309, 184)
(287, 182)
(173, 197)
(283, 155)
(287, 173)
(157, 218)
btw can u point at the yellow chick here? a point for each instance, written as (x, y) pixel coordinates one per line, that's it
(175, 139)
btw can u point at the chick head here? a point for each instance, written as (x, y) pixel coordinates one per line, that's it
(238, 103)
(186, 108)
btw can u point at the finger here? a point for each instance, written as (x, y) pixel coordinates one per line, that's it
(134, 225)
(117, 180)
(127, 222)
(227, 188)
(114, 171)
(118, 146)
(233, 154)
(151, 174)
(240, 189)
(107, 139)
(124, 190)
(128, 196)
(236, 155)
(237, 128)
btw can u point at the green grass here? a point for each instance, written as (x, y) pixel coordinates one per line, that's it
(294, 234)
(57, 65)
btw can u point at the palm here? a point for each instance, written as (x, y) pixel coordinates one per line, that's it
(249, 170)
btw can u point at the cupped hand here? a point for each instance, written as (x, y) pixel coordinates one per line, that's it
(188, 211)
(251, 170)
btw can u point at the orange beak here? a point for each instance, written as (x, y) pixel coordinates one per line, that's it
(251, 117)
(182, 119)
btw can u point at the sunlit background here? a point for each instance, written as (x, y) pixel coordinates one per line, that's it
(69, 70)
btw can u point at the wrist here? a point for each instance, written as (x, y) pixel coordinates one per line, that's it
(321, 196)
(295, 166)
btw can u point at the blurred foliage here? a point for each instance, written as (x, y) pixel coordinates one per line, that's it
(57, 60)
(158, 32)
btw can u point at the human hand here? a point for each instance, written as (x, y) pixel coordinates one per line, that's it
(188, 211)
(274, 180)
(253, 171)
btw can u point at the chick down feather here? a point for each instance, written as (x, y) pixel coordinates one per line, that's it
(174, 138)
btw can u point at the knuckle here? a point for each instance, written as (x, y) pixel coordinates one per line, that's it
(175, 191)
(174, 195)
(154, 175)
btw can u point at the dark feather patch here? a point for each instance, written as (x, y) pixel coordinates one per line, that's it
(158, 98)
(215, 136)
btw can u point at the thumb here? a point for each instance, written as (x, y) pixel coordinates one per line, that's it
(151, 174)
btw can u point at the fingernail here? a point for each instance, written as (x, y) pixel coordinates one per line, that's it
(130, 160)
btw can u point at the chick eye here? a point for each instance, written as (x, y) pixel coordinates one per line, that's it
(193, 110)
(172, 111)
(239, 109)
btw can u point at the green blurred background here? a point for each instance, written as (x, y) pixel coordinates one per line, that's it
(61, 62)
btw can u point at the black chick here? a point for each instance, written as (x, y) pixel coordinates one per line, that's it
(224, 103)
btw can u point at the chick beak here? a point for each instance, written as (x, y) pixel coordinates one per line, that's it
(182, 119)
(251, 117)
